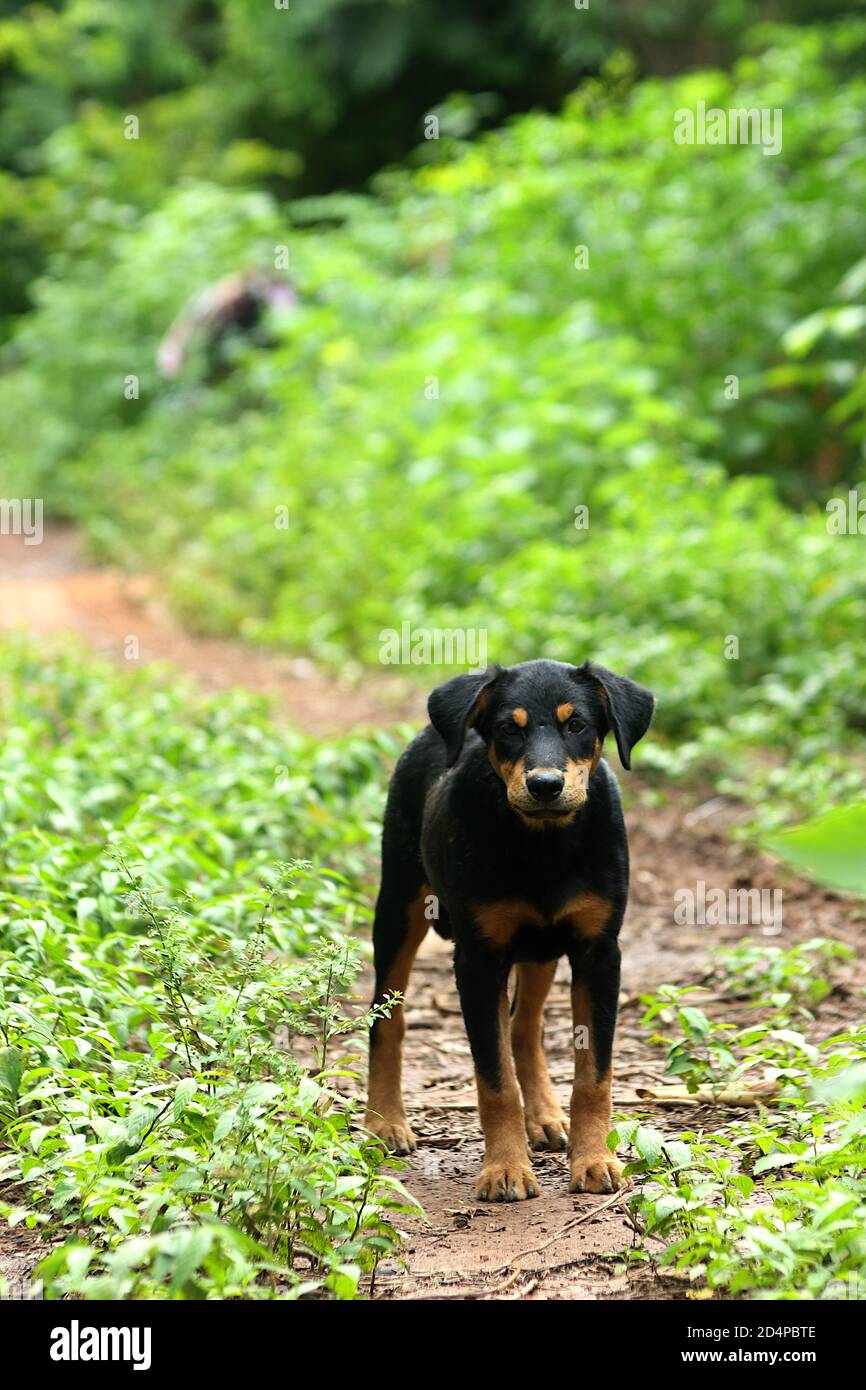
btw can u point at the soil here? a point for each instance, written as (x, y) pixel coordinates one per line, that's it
(51, 590)
(558, 1246)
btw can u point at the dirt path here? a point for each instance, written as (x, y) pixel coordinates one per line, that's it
(555, 1246)
(50, 590)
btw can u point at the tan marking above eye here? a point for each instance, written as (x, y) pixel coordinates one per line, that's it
(520, 717)
(564, 712)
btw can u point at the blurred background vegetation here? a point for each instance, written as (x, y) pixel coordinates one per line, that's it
(452, 386)
(457, 381)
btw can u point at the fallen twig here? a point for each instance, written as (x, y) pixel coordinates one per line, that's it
(537, 1249)
(764, 1094)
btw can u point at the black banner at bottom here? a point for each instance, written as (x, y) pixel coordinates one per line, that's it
(78, 1339)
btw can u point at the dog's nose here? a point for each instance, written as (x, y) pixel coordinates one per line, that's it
(545, 786)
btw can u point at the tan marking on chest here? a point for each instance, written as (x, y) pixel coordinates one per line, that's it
(587, 914)
(498, 922)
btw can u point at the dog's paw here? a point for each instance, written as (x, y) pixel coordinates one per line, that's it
(547, 1129)
(395, 1134)
(594, 1172)
(506, 1182)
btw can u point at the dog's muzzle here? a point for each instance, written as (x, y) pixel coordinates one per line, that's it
(545, 787)
(549, 793)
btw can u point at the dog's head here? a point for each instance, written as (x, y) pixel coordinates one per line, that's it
(544, 723)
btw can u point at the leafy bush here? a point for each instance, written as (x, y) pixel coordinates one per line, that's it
(169, 1081)
(320, 95)
(781, 976)
(772, 1206)
(452, 375)
(701, 1053)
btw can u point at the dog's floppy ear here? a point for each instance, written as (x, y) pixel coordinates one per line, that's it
(454, 707)
(629, 707)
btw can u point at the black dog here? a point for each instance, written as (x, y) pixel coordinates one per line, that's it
(511, 840)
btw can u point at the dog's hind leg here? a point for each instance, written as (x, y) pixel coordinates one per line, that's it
(546, 1125)
(399, 927)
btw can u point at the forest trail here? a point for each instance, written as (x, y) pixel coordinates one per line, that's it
(557, 1246)
(50, 590)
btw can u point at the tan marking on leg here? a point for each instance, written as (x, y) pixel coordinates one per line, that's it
(386, 1115)
(506, 1174)
(564, 712)
(546, 1125)
(498, 922)
(587, 915)
(593, 1168)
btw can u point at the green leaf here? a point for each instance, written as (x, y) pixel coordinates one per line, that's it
(225, 1124)
(84, 909)
(11, 1070)
(649, 1143)
(776, 1160)
(186, 1089)
(831, 849)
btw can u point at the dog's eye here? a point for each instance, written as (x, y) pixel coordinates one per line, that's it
(576, 726)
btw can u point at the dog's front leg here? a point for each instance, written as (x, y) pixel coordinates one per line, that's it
(506, 1175)
(594, 997)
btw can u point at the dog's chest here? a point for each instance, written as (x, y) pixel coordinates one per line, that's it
(532, 932)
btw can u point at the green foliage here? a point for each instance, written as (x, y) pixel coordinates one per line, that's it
(557, 388)
(304, 98)
(343, 85)
(701, 1055)
(91, 285)
(774, 1207)
(459, 381)
(830, 848)
(780, 976)
(169, 1079)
